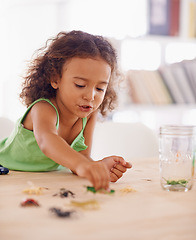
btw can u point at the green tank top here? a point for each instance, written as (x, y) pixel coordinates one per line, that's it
(21, 152)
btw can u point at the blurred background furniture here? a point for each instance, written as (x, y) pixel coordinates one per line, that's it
(6, 127)
(130, 140)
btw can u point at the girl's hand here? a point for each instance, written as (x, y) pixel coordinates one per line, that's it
(96, 172)
(117, 166)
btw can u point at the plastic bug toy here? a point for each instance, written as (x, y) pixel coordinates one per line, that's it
(127, 190)
(60, 213)
(29, 202)
(92, 189)
(86, 205)
(33, 189)
(3, 170)
(65, 193)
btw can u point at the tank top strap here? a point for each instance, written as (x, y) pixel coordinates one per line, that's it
(84, 121)
(38, 100)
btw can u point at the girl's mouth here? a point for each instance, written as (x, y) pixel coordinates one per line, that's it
(85, 108)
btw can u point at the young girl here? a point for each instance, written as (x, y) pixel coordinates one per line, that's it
(64, 89)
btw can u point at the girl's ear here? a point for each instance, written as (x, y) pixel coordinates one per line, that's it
(54, 84)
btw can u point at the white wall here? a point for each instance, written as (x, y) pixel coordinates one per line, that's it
(25, 26)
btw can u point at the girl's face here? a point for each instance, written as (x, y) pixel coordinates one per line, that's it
(83, 84)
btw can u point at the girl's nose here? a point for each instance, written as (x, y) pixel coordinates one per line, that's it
(89, 95)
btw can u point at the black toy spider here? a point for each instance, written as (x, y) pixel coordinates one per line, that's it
(64, 193)
(60, 213)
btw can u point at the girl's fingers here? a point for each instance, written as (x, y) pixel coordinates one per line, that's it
(128, 165)
(101, 177)
(117, 172)
(101, 174)
(96, 180)
(122, 161)
(113, 177)
(120, 168)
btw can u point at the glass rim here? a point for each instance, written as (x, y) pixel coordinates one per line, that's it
(178, 130)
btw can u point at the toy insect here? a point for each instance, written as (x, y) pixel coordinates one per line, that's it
(127, 190)
(92, 189)
(33, 189)
(86, 205)
(60, 213)
(3, 170)
(65, 193)
(29, 202)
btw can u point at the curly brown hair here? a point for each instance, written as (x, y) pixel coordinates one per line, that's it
(50, 59)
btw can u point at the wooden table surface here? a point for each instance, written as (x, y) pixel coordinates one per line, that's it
(149, 213)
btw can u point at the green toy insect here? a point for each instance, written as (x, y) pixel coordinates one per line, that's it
(93, 190)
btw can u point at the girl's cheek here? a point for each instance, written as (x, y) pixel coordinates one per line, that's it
(101, 99)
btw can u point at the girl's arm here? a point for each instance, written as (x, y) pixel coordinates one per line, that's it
(88, 134)
(115, 164)
(43, 117)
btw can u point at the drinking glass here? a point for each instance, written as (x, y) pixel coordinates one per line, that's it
(177, 151)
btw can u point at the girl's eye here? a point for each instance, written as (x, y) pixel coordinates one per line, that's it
(79, 86)
(100, 89)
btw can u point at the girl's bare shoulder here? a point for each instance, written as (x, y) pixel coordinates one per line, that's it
(40, 112)
(43, 107)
